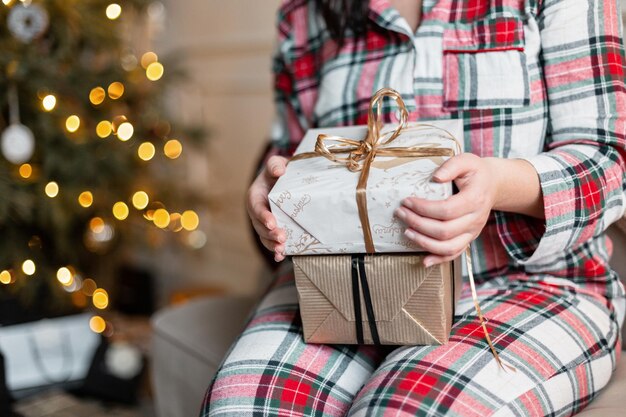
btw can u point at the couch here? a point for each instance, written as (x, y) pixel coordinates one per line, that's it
(190, 341)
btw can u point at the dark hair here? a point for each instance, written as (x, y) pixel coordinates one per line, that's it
(344, 16)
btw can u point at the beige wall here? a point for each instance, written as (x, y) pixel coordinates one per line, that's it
(226, 47)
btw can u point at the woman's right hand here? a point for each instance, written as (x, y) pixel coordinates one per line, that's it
(264, 222)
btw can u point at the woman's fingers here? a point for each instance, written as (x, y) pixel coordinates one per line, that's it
(431, 260)
(445, 248)
(275, 166)
(437, 229)
(448, 209)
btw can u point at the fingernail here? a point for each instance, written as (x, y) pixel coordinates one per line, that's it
(269, 225)
(410, 234)
(400, 212)
(428, 262)
(440, 174)
(407, 203)
(281, 239)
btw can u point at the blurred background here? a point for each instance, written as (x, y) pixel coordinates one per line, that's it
(130, 131)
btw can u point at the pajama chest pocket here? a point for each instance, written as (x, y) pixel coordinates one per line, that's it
(484, 65)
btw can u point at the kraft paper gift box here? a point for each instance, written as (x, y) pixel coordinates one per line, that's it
(388, 299)
(314, 200)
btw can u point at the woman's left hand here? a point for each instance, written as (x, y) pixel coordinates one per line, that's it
(445, 227)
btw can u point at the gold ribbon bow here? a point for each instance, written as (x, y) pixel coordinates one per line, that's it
(361, 154)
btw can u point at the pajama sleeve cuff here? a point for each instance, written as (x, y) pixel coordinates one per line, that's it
(529, 240)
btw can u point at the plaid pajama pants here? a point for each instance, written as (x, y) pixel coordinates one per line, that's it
(564, 342)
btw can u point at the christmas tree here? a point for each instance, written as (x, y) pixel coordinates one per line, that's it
(86, 152)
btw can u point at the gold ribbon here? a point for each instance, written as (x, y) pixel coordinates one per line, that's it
(361, 154)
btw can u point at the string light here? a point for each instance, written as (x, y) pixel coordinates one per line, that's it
(148, 58)
(196, 239)
(140, 200)
(64, 276)
(100, 299)
(190, 220)
(116, 90)
(175, 223)
(120, 210)
(5, 277)
(172, 149)
(7, 2)
(113, 11)
(104, 129)
(125, 131)
(28, 267)
(97, 324)
(49, 102)
(85, 199)
(97, 95)
(96, 225)
(161, 218)
(72, 123)
(26, 170)
(117, 121)
(146, 151)
(52, 189)
(89, 286)
(154, 72)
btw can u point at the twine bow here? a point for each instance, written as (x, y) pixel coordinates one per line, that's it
(361, 154)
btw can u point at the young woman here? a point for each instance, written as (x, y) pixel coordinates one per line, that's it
(539, 85)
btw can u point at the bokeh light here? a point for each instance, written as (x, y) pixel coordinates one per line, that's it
(104, 129)
(5, 277)
(97, 324)
(125, 131)
(148, 58)
(100, 299)
(190, 220)
(161, 218)
(140, 200)
(52, 189)
(85, 199)
(49, 102)
(120, 210)
(26, 170)
(116, 90)
(172, 148)
(155, 71)
(146, 151)
(113, 11)
(28, 267)
(97, 95)
(64, 276)
(89, 286)
(72, 123)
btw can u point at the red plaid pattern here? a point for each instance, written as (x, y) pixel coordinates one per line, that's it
(541, 80)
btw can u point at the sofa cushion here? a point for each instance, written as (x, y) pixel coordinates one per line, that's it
(188, 345)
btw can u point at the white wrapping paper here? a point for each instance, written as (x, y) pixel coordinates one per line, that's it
(314, 201)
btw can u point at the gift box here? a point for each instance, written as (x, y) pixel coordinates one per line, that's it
(388, 299)
(316, 201)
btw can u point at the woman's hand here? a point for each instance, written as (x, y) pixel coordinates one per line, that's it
(262, 218)
(445, 228)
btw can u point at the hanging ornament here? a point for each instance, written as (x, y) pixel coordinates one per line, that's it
(17, 142)
(27, 22)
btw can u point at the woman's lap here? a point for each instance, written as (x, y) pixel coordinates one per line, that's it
(556, 338)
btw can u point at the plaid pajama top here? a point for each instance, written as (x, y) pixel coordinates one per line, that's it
(541, 80)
